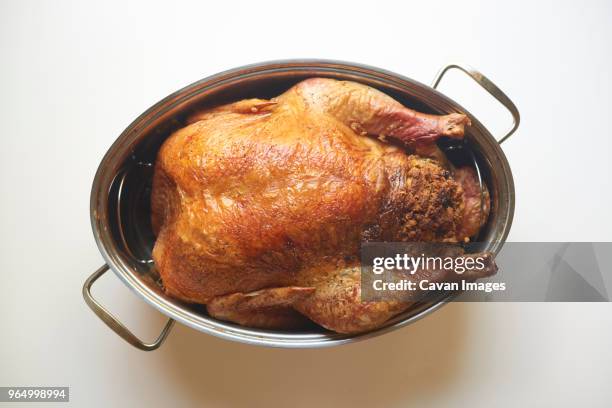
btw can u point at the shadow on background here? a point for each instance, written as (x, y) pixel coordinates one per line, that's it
(404, 366)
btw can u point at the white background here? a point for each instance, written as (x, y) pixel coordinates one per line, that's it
(74, 75)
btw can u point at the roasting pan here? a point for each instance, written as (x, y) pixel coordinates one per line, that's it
(120, 211)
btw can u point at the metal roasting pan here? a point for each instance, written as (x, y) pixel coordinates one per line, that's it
(120, 209)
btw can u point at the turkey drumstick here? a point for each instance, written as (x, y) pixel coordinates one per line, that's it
(368, 110)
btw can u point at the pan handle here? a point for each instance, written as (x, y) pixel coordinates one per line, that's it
(112, 322)
(490, 87)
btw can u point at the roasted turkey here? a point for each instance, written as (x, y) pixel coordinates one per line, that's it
(260, 206)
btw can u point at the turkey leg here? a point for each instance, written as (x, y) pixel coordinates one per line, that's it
(367, 110)
(337, 303)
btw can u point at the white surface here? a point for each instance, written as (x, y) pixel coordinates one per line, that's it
(73, 76)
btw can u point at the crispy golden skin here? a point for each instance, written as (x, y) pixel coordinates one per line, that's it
(278, 194)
